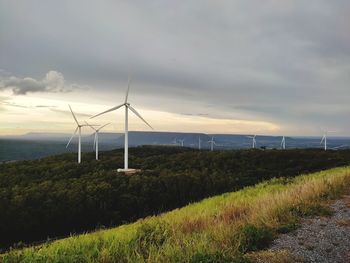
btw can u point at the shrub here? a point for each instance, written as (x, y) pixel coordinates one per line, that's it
(201, 257)
(254, 238)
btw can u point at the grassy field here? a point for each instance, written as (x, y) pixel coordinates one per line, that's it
(224, 228)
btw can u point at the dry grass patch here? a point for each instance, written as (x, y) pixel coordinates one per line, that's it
(194, 225)
(233, 213)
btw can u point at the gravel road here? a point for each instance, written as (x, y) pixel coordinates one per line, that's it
(320, 239)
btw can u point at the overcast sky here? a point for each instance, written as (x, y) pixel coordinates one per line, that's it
(235, 66)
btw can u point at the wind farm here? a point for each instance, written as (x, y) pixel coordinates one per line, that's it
(160, 132)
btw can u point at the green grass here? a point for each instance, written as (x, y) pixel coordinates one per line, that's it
(219, 229)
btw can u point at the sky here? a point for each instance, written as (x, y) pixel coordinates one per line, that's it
(276, 67)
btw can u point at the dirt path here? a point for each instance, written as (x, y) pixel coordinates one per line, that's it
(320, 239)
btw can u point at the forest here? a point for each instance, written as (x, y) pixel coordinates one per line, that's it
(55, 197)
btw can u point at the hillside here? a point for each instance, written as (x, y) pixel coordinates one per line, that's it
(54, 196)
(224, 228)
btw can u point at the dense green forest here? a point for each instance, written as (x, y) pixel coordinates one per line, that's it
(55, 196)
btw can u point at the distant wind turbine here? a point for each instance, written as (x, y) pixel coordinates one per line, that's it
(78, 128)
(254, 141)
(182, 142)
(212, 143)
(96, 136)
(199, 142)
(128, 107)
(283, 143)
(324, 140)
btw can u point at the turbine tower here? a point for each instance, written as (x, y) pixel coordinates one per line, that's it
(199, 142)
(212, 143)
(283, 143)
(128, 107)
(254, 141)
(96, 136)
(78, 128)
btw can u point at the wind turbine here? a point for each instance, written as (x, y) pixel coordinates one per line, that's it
(182, 142)
(96, 136)
(128, 107)
(283, 143)
(254, 141)
(78, 128)
(199, 142)
(324, 140)
(212, 143)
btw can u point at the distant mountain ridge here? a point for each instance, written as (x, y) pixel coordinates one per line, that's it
(38, 145)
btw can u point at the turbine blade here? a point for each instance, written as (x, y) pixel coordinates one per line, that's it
(138, 115)
(76, 129)
(127, 91)
(73, 114)
(90, 126)
(94, 142)
(111, 109)
(103, 126)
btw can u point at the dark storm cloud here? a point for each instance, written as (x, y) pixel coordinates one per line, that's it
(282, 61)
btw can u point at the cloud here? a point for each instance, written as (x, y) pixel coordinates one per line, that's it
(15, 105)
(195, 114)
(285, 62)
(67, 112)
(45, 106)
(7, 102)
(53, 82)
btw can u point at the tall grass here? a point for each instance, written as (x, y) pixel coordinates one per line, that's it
(218, 229)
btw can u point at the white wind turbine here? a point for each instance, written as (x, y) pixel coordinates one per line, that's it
(78, 128)
(324, 140)
(283, 143)
(199, 142)
(212, 143)
(96, 136)
(254, 141)
(128, 107)
(182, 142)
